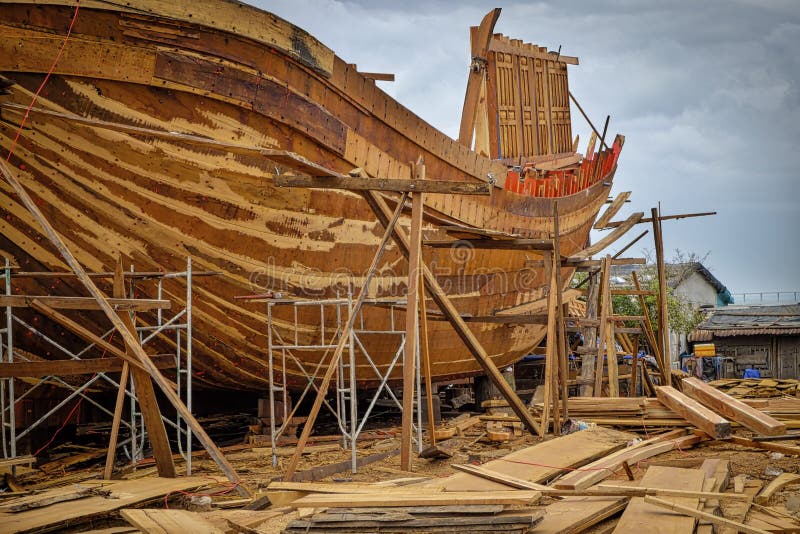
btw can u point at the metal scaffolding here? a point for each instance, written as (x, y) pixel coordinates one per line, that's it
(177, 327)
(282, 355)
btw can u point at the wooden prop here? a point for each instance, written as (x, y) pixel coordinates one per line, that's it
(343, 337)
(548, 403)
(709, 422)
(426, 358)
(663, 310)
(607, 240)
(563, 374)
(612, 209)
(732, 408)
(614, 224)
(446, 306)
(648, 329)
(604, 313)
(412, 322)
(130, 340)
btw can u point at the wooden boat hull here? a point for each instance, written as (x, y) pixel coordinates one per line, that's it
(156, 198)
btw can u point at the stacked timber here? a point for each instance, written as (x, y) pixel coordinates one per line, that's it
(758, 388)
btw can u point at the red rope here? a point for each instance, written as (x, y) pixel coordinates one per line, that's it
(41, 86)
(71, 413)
(230, 487)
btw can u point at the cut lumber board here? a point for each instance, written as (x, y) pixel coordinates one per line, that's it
(732, 408)
(343, 487)
(382, 499)
(693, 512)
(641, 516)
(576, 514)
(709, 422)
(767, 446)
(542, 461)
(506, 480)
(158, 521)
(62, 515)
(605, 467)
(737, 510)
(784, 479)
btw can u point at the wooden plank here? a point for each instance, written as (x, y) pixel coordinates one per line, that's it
(425, 357)
(732, 408)
(494, 476)
(709, 422)
(777, 484)
(83, 303)
(127, 493)
(74, 367)
(607, 240)
(612, 209)
(605, 278)
(572, 515)
(737, 510)
(616, 224)
(400, 185)
(561, 335)
(381, 500)
(412, 322)
(323, 471)
(479, 46)
(663, 311)
(493, 244)
(158, 521)
(382, 211)
(543, 461)
(111, 453)
(767, 446)
(130, 340)
(344, 336)
(694, 512)
(641, 516)
(548, 403)
(606, 466)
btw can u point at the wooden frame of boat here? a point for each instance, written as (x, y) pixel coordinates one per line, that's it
(165, 129)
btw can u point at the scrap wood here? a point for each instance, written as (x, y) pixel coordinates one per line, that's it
(381, 500)
(733, 409)
(70, 513)
(694, 412)
(642, 516)
(343, 487)
(168, 521)
(691, 512)
(737, 510)
(576, 514)
(506, 480)
(31, 504)
(785, 449)
(604, 467)
(784, 479)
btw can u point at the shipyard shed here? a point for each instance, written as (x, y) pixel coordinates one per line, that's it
(766, 338)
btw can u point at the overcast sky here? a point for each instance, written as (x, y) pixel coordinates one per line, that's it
(706, 94)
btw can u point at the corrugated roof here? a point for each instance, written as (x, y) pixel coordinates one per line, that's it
(752, 320)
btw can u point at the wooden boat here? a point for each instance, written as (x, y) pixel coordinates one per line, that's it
(161, 129)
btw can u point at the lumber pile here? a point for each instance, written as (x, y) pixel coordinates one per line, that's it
(758, 388)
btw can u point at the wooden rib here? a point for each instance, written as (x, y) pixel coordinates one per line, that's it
(83, 303)
(39, 369)
(612, 209)
(383, 184)
(607, 240)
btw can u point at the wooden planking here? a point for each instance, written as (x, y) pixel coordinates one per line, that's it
(383, 184)
(381, 500)
(542, 461)
(73, 367)
(606, 466)
(641, 516)
(158, 521)
(732, 408)
(83, 303)
(713, 424)
(127, 492)
(572, 515)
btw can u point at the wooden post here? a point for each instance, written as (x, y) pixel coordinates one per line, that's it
(412, 322)
(426, 357)
(634, 367)
(563, 391)
(552, 344)
(130, 340)
(611, 350)
(590, 334)
(454, 317)
(663, 311)
(605, 271)
(344, 335)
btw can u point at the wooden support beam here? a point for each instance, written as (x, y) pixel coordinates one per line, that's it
(479, 46)
(605, 277)
(548, 403)
(732, 408)
(709, 422)
(615, 224)
(612, 209)
(378, 76)
(402, 185)
(588, 362)
(588, 120)
(412, 321)
(563, 374)
(493, 244)
(611, 351)
(83, 303)
(344, 335)
(438, 295)
(130, 339)
(648, 329)
(766, 445)
(635, 240)
(40, 369)
(426, 357)
(607, 240)
(663, 309)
